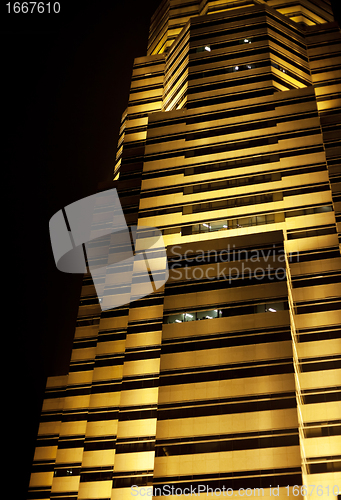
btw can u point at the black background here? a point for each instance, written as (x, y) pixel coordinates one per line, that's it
(65, 84)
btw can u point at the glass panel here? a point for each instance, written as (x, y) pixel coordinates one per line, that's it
(202, 207)
(218, 225)
(274, 307)
(190, 316)
(175, 318)
(270, 218)
(260, 219)
(220, 184)
(205, 227)
(323, 209)
(245, 222)
(219, 204)
(260, 308)
(208, 314)
(186, 230)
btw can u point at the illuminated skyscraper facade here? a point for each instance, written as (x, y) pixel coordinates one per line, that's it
(229, 376)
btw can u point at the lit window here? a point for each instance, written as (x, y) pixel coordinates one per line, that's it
(236, 68)
(206, 48)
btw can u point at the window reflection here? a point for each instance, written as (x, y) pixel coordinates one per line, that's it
(206, 227)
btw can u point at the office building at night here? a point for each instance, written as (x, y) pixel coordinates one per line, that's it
(228, 376)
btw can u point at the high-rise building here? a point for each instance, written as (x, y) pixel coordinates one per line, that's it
(227, 379)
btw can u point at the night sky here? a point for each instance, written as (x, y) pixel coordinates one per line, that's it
(65, 84)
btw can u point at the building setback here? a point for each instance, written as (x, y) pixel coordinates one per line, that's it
(228, 376)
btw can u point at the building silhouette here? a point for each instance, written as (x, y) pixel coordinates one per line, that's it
(228, 377)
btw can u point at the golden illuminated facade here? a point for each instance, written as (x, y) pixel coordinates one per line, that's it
(229, 376)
